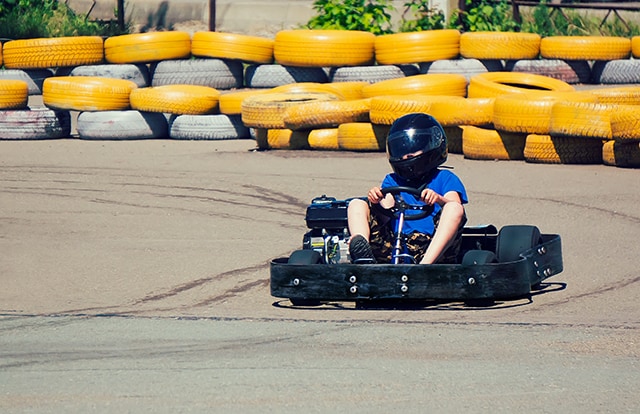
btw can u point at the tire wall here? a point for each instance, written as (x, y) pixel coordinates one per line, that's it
(511, 96)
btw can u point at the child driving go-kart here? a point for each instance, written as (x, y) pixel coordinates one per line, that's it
(416, 147)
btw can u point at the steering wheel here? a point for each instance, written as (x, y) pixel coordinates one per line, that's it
(401, 206)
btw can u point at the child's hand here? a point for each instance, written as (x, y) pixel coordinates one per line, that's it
(430, 197)
(375, 195)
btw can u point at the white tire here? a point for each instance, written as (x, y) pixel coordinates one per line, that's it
(122, 125)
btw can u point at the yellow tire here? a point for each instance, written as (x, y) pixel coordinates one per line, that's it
(0, 53)
(53, 52)
(492, 84)
(490, 144)
(267, 110)
(585, 47)
(547, 149)
(284, 139)
(230, 103)
(581, 119)
(416, 47)
(14, 94)
(500, 45)
(87, 93)
(635, 46)
(386, 109)
(625, 123)
(311, 48)
(308, 87)
(326, 114)
(176, 99)
(429, 84)
(621, 154)
(147, 47)
(324, 139)
(464, 111)
(362, 136)
(232, 46)
(623, 95)
(348, 90)
(531, 112)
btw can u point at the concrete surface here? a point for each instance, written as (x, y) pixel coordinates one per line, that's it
(135, 279)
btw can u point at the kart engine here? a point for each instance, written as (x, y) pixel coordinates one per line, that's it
(329, 234)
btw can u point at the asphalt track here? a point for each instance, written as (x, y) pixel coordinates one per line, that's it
(135, 279)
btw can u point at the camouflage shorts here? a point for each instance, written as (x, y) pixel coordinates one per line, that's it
(382, 239)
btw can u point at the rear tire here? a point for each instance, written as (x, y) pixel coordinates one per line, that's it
(513, 240)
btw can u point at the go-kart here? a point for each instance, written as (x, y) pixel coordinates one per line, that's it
(491, 264)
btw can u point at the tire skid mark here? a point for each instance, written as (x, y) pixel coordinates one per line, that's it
(628, 217)
(197, 283)
(619, 285)
(229, 293)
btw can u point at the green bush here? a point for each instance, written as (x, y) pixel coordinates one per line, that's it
(365, 15)
(24, 19)
(484, 15)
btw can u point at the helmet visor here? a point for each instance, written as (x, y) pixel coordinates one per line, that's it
(412, 140)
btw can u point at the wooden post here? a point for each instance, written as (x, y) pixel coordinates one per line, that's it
(212, 15)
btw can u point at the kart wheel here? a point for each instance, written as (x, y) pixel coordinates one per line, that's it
(478, 257)
(304, 257)
(513, 240)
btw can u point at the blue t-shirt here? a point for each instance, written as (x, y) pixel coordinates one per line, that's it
(442, 182)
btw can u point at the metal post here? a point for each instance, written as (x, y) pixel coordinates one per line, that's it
(120, 11)
(212, 15)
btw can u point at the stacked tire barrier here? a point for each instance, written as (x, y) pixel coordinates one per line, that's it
(499, 95)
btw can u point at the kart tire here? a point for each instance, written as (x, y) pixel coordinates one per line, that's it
(371, 74)
(176, 99)
(326, 114)
(14, 94)
(623, 71)
(570, 71)
(466, 67)
(325, 139)
(499, 45)
(492, 84)
(34, 124)
(621, 154)
(490, 144)
(232, 46)
(207, 127)
(362, 136)
(147, 47)
(214, 73)
(386, 109)
(318, 48)
(583, 119)
(33, 77)
(230, 103)
(87, 93)
(416, 47)
(478, 257)
(270, 76)
(267, 110)
(435, 84)
(585, 47)
(121, 125)
(304, 257)
(623, 95)
(514, 240)
(625, 125)
(548, 149)
(53, 52)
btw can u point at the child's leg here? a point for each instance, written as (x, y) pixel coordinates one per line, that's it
(358, 218)
(451, 218)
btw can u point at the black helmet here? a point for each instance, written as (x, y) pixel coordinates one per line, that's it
(412, 133)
